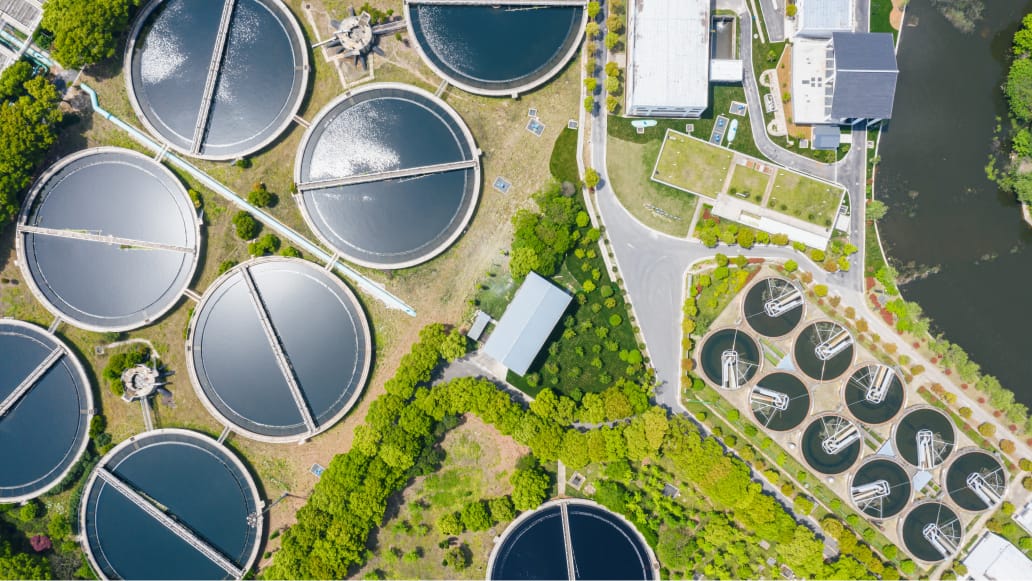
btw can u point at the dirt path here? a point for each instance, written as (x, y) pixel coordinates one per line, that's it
(896, 16)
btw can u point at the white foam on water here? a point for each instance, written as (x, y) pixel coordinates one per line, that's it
(243, 39)
(454, 51)
(355, 143)
(162, 56)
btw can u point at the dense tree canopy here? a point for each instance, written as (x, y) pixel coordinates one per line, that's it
(28, 127)
(14, 565)
(85, 32)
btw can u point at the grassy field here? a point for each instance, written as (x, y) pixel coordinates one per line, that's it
(693, 165)
(805, 198)
(477, 466)
(749, 181)
(628, 166)
(880, 11)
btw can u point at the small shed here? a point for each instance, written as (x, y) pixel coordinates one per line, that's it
(527, 323)
(826, 137)
(480, 322)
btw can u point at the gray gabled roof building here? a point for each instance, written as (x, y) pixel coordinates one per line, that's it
(865, 75)
(527, 323)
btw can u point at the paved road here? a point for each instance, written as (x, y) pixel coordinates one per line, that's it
(773, 18)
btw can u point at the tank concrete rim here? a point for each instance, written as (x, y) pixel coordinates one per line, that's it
(37, 188)
(526, 515)
(87, 388)
(852, 356)
(957, 454)
(906, 411)
(195, 381)
(860, 457)
(861, 365)
(525, 88)
(127, 60)
(870, 459)
(906, 513)
(802, 380)
(802, 317)
(464, 222)
(229, 454)
(759, 364)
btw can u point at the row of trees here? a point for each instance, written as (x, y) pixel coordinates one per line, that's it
(1018, 90)
(85, 32)
(29, 118)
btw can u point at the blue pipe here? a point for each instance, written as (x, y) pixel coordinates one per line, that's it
(364, 283)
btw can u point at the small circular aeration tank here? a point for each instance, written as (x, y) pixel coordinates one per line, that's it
(932, 532)
(779, 401)
(831, 444)
(924, 437)
(976, 481)
(874, 394)
(774, 306)
(729, 358)
(824, 350)
(880, 488)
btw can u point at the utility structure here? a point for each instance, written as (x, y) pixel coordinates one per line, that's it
(942, 537)
(834, 340)
(785, 297)
(839, 434)
(931, 449)
(355, 37)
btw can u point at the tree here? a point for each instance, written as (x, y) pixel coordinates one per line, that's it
(591, 178)
(502, 509)
(593, 9)
(1023, 37)
(28, 127)
(876, 209)
(449, 524)
(12, 82)
(592, 30)
(1019, 89)
(475, 516)
(522, 262)
(821, 290)
(21, 565)
(987, 429)
(612, 39)
(265, 245)
(85, 32)
(530, 488)
(457, 558)
(247, 228)
(261, 197)
(291, 252)
(1007, 446)
(791, 10)
(791, 266)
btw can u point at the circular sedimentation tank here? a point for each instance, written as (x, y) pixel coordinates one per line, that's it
(388, 175)
(45, 410)
(976, 481)
(931, 532)
(279, 349)
(773, 307)
(831, 444)
(779, 401)
(874, 394)
(824, 350)
(729, 358)
(924, 437)
(881, 488)
(483, 49)
(171, 504)
(216, 79)
(604, 545)
(108, 239)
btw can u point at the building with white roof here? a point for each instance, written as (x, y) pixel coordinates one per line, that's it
(822, 18)
(994, 559)
(668, 58)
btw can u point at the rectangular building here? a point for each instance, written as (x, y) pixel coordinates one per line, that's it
(822, 18)
(527, 323)
(668, 58)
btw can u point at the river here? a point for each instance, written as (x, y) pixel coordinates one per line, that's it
(943, 211)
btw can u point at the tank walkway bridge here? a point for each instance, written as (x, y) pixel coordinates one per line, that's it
(106, 239)
(213, 74)
(280, 354)
(571, 565)
(27, 384)
(526, 3)
(382, 176)
(177, 528)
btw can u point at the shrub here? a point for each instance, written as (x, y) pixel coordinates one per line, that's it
(261, 197)
(1007, 508)
(965, 412)
(225, 265)
(1007, 446)
(987, 429)
(820, 290)
(265, 245)
(907, 567)
(449, 524)
(1027, 482)
(475, 517)
(290, 252)
(247, 228)
(615, 320)
(791, 266)
(244, 163)
(802, 505)
(30, 511)
(40, 543)
(1025, 464)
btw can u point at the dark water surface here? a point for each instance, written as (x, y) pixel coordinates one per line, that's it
(806, 355)
(201, 488)
(899, 486)
(914, 523)
(603, 545)
(905, 438)
(943, 210)
(320, 328)
(798, 404)
(976, 462)
(490, 47)
(817, 458)
(41, 436)
(759, 294)
(865, 411)
(119, 194)
(734, 340)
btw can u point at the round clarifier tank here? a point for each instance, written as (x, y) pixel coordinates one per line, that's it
(379, 192)
(924, 437)
(831, 444)
(171, 504)
(779, 401)
(45, 410)
(976, 480)
(483, 49)
(824, 350)
(881, 488)
(729, 358)
(216, 79)
(874, 393)
(931, 532)
(108, 239)
(773, 307)
(601, 545)
(279, 349)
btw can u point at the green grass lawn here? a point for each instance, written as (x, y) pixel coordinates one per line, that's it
(746, 180)
(805, 198)
(693, 165)
(880, 10)
(629, 165)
